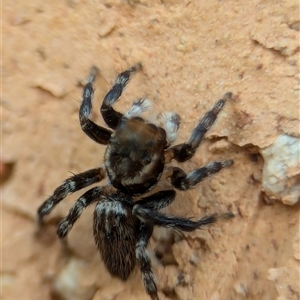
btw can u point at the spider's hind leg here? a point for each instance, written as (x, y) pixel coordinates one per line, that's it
(110, 116)
(143, 259)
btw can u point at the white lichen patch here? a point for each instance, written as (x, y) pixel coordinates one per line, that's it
(281, 172)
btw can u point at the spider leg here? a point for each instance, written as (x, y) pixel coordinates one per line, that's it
(138, 107)
(147, 215)
(95, 132)
(171, 122)
(185, 151)
(110, 116)
(158, 200)
(182, 181)
(144, 261)
(76, 210)
(71, 185)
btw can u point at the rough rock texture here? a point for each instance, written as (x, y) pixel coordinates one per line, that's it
(192, 52)
(281, 172)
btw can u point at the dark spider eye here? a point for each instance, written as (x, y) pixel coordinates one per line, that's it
(147, 159)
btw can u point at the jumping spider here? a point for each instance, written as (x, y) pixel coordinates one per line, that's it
(135, 158)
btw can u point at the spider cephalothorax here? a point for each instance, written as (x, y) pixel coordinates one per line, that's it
(135, 158)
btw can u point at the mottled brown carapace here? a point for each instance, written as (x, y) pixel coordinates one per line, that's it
(135, 158)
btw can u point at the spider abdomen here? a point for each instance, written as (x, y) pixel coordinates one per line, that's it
(134, 158)
(115, 231)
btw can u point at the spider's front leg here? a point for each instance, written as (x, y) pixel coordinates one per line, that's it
(110, 116)
(185, 151)
(71, 185)
(95, 132)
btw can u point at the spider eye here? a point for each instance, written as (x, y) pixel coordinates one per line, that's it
(147, 159)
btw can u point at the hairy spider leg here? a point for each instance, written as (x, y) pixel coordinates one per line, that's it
(144, 261)
(76, 210)
(138, 107)
(182, 181)
(95, 132)
(158, 200)
(110, 116)
(147, 211)
(155, 218)
(171, 122)
(185, 151)
(70, 185)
